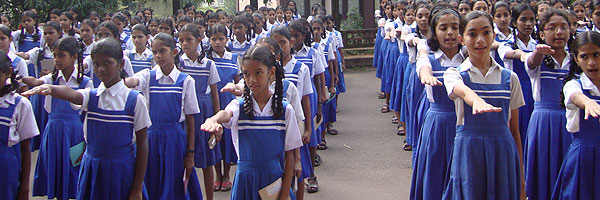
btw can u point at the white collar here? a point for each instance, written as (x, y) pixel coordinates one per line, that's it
(185, 57)
(226, 55)
(532, 43)
(146, 53)
(73, 74)
(8, 98)
(466, 65)
(565, 61)
(501, 35)
(304, 49)
(173, 75)
(236, 42)
(266, 110)
(439, 53)
(113, 90)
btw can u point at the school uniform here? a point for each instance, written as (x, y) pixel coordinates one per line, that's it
(390, 57)
(296, 16)
(37, 101)
(316, 65)
(404, 60)
(437, 135)
(16, 117)
(205, 44)
(500, 37)
(88, 49)
(124, 37)
(415, 95)
(228, 68)
(578, 175)
(260, 147)
(205, 74)
(89, 70)
(382, 53)
(262, 34)
(170, 98)
(339, 44)
(55, 175)
(140, 61)
(485, 160)
(28, 41)
(238, 47)
(377, 48)
(547, 139)
(114, 114)
(326, 47)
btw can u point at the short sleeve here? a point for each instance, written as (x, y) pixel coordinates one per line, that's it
(340, 41)
(451, 79)
(306, 83)
(213, 77)
(25, 119)
(85, 93)
(190, 102)
(127, 66)
(330, 51)
(141, 116)
(319, 66)
(46, 78)
(22, 69)
(295, 100)
(572, 87)
(516, 94)
(143, 79)
(421, 62)
(292, 132)
(234, 108)
(503, 49)
(33, 54)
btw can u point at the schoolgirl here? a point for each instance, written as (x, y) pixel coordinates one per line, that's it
(398, 94)
(121, 22)
(241, 39)
(17, 117)
(258, 144)
(229, 72)
(481, 5)
(18, 64)
(30, 35)
(66, 23)
(211, 19)
(289, 16)
(280, 19)
(153, 27)
(439, 129)
(95, 17)
(485, 156)
(559, 4)
(205, 43)
(141, 57)
(55, 175)
(547, 138)
(390, 50)
(582, 20)
(379, 49)
(4, 19)
(166, 25)
(126, 24)
(542, 7)
(292, 5)
(464, 7)
(270, 20)
(114, 114)
(259, 27)
(396, 34)
(501, 15)
(87, 35)
(171, 98)
(339, 44)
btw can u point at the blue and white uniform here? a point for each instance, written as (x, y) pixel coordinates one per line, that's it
(228, 68)
(140, 61)
(37, 101)
(89, 70)
(239, 48)
(28, 41)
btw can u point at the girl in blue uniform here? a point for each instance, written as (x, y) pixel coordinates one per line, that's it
(292, 5)
(437, 135)
(114, 114)
(227, 67)
(55, 175)
(120, 21)
(485, 159)
(385, 41)
(18, 64)
(260, 147)
(325, 44)
(398, 102)
(30, 36)
(547, 137)
(172, 102)
(204, 71)
(67, 20)
(241, 39)
(578, 176)
(16, 118)
(141, 57)
(341, 83)
(87, 35)
(390, 55)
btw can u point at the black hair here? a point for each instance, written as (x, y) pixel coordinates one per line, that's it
(388, 3)
(302, 26)
(111, 27)
(249, 6)
(217, 28)
(554, 2)
(261, 18)
(136, 18)
(432, 40)
(94, 13)
(592, 8)
(185, 18)
(142, 28)
(211, 15)
(263, 9)
(285, 32)
(243, 19)
(266, 57)
(195, 31)
(219, 12)
(285, 10)
(200, 22)
(70, 17)
(36, 34)
(319, 19)
(55, 11)
(314, 9)
(295, 6)
(474, 15)
(109, 47)
(500, 4)
(169, 23)
(55, 26)
(515, 14)
(274, 46)
(588, 37)
(120, 17)
(6, 31)
(126, 13)
(72, 46)
(6, 67)
(421, 4)
(330, 18)
(544, 19)
(148, 9)
(168, 41)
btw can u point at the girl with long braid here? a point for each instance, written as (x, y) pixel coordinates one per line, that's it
(30, 35)
(241, 39)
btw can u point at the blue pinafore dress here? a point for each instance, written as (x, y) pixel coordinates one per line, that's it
(526, 110)
(415, 98)
(436, 141)
(124, 41)
(313, 97)
(239, 51)
(485, 160)
(139, 65)
(227, 69)
(329, 106)
(305, 160)
(10, 161)
(261, 143)
(108, 165)
(341, 86)
(203, 157)
(167, 142)
(37, 102)
(377, 51)
(28, 42)
(55, 175)
(406, 70)
(389, 63)
(580, 171)
(547, 141)
(398, 82)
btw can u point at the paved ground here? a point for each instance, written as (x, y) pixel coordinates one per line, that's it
(366, 160)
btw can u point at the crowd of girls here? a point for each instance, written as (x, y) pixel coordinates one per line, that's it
(126, 107)
(497, 99)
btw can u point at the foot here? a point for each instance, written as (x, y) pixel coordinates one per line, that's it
(312, 185)
(407, 147)
(381, 95)
(217, 186)
(385, 108)
(394, 119)
(322, 145)
(318, 160)
(401, 130)
(331, 130)
(226, 186)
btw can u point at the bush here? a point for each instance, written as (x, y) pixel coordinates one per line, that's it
(354, 20)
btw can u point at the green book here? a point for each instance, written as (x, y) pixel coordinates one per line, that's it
(75, 153)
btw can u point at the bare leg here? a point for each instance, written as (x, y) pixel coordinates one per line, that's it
(209, 177)
(219, 176)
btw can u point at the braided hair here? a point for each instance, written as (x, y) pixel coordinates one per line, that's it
(266, 57)
(74, 47)
(215, 29)
(545, 19)
(319, 19)
(193, 29)
(515, 14)
(36, 35)
(71, 18)
(588, 37)
(243, 19)
(6, 67)
(302, 26)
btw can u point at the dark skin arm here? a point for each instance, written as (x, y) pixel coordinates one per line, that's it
(25, 169)
(31, 81)
(288, 172)
(59, 91)
(188, 161)
(141, 161)
(214, 94)
(307, 119)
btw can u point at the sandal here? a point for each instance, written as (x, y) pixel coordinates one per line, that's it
(394, 119)
(318, 160)
(312, 185)
(381, 95)
(407, 147)
(401, 130)
(226, 186)
(322, 145)
(385, 108)
(217, 186)
(331, 130)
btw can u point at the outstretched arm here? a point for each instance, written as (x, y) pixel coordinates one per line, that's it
(473, 100)
(59, 91)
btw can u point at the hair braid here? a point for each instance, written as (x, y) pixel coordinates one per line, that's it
(514, 44)
(80, 60)
(277, 106)
(22, 35)
(248, 102)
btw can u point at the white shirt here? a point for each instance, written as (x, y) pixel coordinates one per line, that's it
(189, 102)
(213, 76)
(456, 61)
(115, 98)
(22, 123)
(506, 47)
(292, 97)
(228, 56)
(571, 88)
(88, 48)
(90, 66)
(452, 78)
(293, 139)
(534, 74)
(340, 39)
(61, 81)
(21, 65)
(140, 56)
(17, 35)
(238, 44)
(34, 53)
(318, 60)
(321, 48)
(304, 84)
(501, 36)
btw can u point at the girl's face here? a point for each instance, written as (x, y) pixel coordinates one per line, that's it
(525, 22)
(596, 16)
(199, 16)
(120, 24)
(163, 55)
(139, 38)
(102, 33)
(398, 11)
(4, 76)
(239, 30)
(454, 5)
(388, 11)
(107, 68)
(87, 32)
(28, 23)
(542, 8)
(288, 15)
(558, 5)
(382, 3)
(4, 21)
(212, 22)
(55, 18)
(580, 12)
(271, 16)
(153, 28)
(258, 24)
(298, 37)
(51, 35)
(181, 25)
(188, 42)
(95, 19)
(317, 30)
(279, 14)
(65, 23)
(63, 59)
(502, 17)
(107, 18)
(257, 76)
(284, 43)
(223, 19)
(588, 59)
(556, 32)
(573, 24)
(5, 41)
(480, 6)
(447, 31)
(249, 10)
(463, 9)
(478, 37)
(218, 42)
(147, 14)
(422, 17)
(409, 16)
(191, 13)
(292, 5)
(165, 28)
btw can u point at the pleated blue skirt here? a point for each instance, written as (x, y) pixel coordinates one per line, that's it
(547, 143)
(376, 52)
(398, 83)
(10, 166)
(421, 111)
(414, 89)
(341, 85)
(389, 65)
(525, 110)
(228, 154)
(306, 162)
(204, 156)
(485, 165)
(164, 173)
(55, 176)
(580, 172)
(250, 177)
(315, 137)
(405, 89)
(41, 118)
(381, 59)
(434, 150)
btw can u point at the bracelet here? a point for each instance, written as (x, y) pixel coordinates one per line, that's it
(190, 151)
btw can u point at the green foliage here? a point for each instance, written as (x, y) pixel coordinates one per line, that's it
(13, 8)
(230, 6)
(353, 22)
